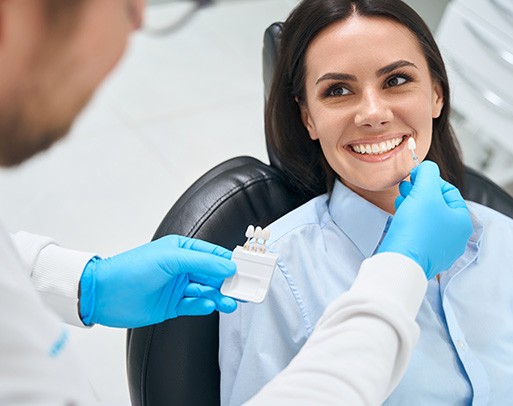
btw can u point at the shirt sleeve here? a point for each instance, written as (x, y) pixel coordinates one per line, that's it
(55, 273)
(361, 346)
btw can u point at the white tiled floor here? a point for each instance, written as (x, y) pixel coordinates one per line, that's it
(173, 109)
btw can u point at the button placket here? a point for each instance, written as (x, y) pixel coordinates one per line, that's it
(474, 369)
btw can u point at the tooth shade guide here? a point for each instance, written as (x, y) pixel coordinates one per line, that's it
(411, 144)
(255, 268)
(256, 239)
(266, 234)
(250, 232)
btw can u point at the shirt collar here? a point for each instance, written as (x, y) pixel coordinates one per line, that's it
(363, 222)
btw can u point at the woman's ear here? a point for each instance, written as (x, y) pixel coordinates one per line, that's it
(438, 99)
(306, 118)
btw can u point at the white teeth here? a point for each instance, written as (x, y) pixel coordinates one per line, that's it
(380, 148)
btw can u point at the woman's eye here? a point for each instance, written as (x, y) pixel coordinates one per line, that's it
(396, 81)
(335, 91)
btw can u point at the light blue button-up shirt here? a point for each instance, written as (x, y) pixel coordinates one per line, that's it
(465, 351)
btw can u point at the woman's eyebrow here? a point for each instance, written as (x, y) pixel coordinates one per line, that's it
(393, 66)
(336, 76)
(383, 71)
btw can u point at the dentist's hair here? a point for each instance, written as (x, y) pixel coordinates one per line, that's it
(301, 158)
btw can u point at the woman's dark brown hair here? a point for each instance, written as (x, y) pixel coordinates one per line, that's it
(300, 157)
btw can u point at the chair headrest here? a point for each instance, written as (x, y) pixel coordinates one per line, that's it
(270, 52)
(272, 37)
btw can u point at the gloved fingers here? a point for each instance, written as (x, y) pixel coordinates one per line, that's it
(452, 196)
(425, 178)
(226, 305)
(428, 168)
(195, 306)
(200, 263)
(223, 303)
(398, 201)
(206, 280)
(194, 244)
(405, 188)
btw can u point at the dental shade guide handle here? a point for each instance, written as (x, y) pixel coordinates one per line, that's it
(255, 268)
(258, 237)
(266, 234)
(412, 145)
(250, 232)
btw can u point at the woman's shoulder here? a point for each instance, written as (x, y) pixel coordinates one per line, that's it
(496, 227)
(312, 213)
(488, 215)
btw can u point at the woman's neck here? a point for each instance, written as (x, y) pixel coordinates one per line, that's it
(384, 199)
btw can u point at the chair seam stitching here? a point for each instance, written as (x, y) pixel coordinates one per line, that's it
(232, 191)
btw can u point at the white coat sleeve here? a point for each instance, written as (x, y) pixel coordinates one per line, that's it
(55, 273)
(362, 344)
(38, 364)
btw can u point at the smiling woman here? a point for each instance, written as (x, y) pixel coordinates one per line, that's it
(357, 81)
(360, 110)
(315, 22)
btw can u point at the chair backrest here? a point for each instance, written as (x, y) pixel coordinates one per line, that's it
(176, 362)
(478, 188)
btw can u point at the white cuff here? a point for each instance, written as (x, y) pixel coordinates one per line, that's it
(56, 275)
(391, 272)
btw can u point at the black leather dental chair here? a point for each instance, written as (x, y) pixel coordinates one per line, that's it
(175, 363)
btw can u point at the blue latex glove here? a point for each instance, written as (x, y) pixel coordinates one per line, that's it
(432, 224)
(170, 277)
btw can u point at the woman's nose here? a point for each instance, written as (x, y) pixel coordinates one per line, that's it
(373, 111)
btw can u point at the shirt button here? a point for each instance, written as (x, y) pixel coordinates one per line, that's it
(461, 344)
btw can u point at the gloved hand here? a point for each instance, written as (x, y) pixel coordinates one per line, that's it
(169, 277)
(432, 223)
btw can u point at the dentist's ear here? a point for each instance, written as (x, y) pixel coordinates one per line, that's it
(306, 118)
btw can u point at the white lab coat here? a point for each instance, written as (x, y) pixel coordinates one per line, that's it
(37, 363)
(341, 363)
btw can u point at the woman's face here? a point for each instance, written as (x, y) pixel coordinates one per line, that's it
(368, 89)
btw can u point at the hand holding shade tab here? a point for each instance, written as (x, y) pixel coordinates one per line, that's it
(169, 277)
(432, 224)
